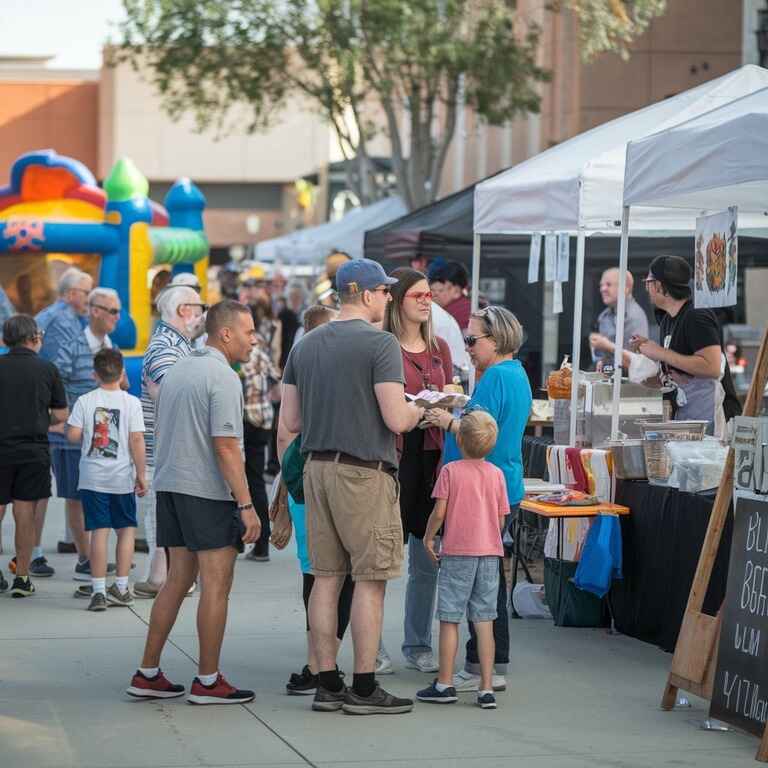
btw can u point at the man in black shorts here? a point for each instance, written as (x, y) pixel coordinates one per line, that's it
(33, 396)
(204, 509)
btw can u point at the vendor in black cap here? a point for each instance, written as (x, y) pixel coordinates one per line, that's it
(694, 370)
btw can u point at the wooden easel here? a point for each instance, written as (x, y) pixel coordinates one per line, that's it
(695, 659)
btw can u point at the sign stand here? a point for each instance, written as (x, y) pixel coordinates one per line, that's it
(695, 659)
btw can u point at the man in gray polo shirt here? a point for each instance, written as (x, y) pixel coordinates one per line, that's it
(204, 509)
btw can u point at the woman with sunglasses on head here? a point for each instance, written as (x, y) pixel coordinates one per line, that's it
(503, 390)
(427, 365)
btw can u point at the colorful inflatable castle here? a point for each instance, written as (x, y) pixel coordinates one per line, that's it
(54, 215)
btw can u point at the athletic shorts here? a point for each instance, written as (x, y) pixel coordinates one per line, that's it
(25, 482)
(66, 469)
(108, 510)
(197, 524)
(353, 521)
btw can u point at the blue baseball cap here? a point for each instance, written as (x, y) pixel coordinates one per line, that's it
(361, 275)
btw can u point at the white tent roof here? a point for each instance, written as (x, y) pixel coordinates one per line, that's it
(579, 183)
(311, 246)
(710, 162)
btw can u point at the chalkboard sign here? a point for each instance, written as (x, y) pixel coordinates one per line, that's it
(740, 695)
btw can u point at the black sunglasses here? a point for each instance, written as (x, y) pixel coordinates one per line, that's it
(204, 307)
(111, 310)
(470, 341)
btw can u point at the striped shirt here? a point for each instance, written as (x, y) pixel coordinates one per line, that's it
(166, 347)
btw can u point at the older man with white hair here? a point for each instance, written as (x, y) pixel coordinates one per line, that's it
(103, 314)
(181, 311)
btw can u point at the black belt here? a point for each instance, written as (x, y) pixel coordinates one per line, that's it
(344, 458)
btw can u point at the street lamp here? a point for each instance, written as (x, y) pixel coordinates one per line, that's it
(762, 35)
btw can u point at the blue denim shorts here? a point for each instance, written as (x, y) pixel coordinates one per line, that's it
(467, 585)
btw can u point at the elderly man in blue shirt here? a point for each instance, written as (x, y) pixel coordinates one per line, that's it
(65, 344)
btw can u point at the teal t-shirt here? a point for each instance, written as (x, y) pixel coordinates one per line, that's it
(505, 392)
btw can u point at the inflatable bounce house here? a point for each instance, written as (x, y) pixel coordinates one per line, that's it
(53, 215)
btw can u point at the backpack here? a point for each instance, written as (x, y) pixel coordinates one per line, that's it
(292, 468)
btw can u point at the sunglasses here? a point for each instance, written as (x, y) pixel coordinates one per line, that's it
(470, 341)
(385, 290)
(420, 295)
(204, 307)
(110, 310)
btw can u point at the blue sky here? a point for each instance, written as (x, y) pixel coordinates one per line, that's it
(71, 30)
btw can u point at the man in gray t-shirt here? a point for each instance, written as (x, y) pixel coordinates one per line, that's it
(204, 509)
(343, 389)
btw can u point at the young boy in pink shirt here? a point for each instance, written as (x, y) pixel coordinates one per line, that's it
(471, 504)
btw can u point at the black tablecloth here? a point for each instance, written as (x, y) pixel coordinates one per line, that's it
(662, 540)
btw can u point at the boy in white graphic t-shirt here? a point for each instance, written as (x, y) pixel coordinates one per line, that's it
(110, 425)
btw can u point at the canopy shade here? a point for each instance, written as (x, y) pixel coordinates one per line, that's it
(311, 246)
(579, 184)
(714, 160)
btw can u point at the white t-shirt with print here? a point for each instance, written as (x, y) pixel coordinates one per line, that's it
(107, 418)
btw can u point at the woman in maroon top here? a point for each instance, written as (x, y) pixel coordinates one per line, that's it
(427, 365)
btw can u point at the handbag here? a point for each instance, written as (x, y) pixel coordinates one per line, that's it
(292, 468)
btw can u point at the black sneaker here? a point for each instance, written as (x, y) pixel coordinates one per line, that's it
(22, 587)
(3, 582)
(83, 570)
(84, 591)
(98, 602)
(329, 701)
(66, 548)
(40, 569)
(304, 684)
(433, 696)
(378, 703)
(486, 701)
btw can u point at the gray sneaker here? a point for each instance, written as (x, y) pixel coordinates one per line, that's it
(329, 701)
(424, 662)
(378, 703)
(116, 597)
(98, 603)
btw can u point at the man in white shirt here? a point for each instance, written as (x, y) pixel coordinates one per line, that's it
(103, 314)
(446, 327)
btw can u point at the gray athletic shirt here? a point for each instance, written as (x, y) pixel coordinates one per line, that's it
(335, 368)
(201, 398)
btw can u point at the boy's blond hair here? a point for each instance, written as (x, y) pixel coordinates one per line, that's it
(478, 433)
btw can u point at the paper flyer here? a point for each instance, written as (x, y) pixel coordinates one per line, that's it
(717, 260)
(550, 258)
(563, 257)
(534, 258)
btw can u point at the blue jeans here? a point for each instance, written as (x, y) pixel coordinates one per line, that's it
(420, 594)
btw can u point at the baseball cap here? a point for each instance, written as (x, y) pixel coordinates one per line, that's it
(671, 270)
(361, 275)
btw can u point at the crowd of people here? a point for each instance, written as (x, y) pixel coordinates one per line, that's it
(263, 382)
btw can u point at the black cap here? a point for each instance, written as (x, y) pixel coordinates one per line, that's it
(671, 270)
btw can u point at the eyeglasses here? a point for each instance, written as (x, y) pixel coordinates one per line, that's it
(420, 295)
(470, 341)
(80, 290)
(204, 307)
(111, 310)
(649, 281)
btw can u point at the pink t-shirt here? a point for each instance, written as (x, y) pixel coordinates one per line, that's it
(477, 497)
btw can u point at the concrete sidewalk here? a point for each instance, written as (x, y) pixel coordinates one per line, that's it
(576, 698)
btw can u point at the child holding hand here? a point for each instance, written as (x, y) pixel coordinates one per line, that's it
(471, 502)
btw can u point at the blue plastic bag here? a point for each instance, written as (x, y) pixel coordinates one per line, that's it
(600, 561)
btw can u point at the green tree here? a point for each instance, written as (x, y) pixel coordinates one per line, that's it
(368, 66)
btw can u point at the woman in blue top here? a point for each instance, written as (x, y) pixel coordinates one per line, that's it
(503, 390)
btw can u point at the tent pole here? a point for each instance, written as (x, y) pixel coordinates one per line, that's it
(620, 311)
(578, 297)
(476, 242)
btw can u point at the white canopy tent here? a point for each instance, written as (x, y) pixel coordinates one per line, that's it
(706, 164)
(311, 246)
(576, 187)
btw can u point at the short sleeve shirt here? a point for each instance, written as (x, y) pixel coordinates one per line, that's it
(29, 387)
(107, 418)
(635, 324)
(201, 398)
(476, 493)
(335, 368)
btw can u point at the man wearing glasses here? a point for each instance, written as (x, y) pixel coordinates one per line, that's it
(103, 314)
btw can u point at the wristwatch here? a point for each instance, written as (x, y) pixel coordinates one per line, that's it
(244, 507)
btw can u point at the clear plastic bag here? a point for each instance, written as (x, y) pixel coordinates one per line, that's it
(696, 466)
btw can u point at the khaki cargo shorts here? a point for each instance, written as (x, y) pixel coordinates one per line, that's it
(353, 521)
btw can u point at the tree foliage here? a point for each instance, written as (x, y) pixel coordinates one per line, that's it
(399, 67)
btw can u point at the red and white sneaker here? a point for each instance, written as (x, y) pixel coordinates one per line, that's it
(221, 692)
(157, 687)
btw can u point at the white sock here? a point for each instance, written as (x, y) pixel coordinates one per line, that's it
(442, 687)
(122, 583)
(37, 552)
(208, 679)
(99, 585)
(149, 671)
(482, 693)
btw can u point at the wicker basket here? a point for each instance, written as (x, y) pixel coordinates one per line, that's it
(655, 438)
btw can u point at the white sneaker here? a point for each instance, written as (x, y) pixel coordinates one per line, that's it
(424, 662)
(383, 663)
(466, 682)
